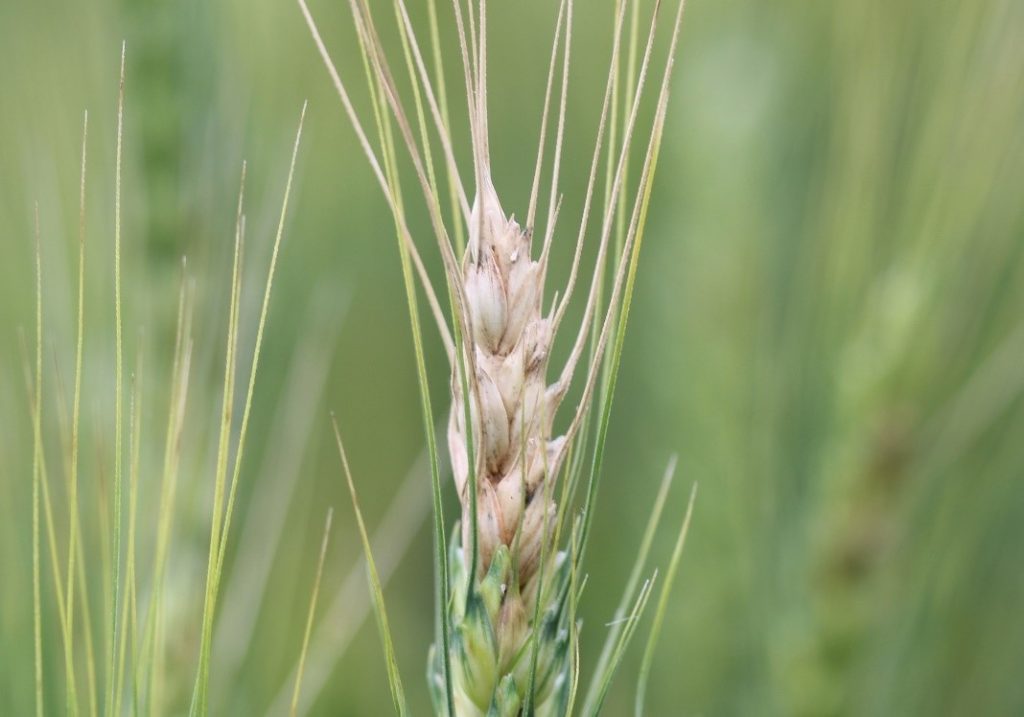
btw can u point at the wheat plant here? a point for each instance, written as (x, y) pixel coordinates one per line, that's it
(509, 580)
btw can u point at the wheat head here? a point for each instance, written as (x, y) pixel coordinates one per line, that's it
(506, 636)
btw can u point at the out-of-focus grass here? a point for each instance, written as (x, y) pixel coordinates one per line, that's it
(828, 328)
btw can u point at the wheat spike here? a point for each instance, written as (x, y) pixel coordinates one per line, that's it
(508, 581)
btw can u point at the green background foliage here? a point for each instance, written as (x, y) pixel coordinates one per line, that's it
(828, 330)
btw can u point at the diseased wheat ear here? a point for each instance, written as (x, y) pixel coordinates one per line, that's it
(509, 586)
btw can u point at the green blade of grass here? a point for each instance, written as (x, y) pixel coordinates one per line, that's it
(118, 400)
(220, 531)
(37, 441)
(249, 584)
(106, 541)
(33, 386)
(260, 330)
(180, 368)
(312, 613)
(634, 243)
(71, 689)
(440, 556)
(129, 616)
(659, 613)
(625, 637)
(33, 389)
(631, 584)
(395, 532)
(442, 588)
(76, 402)
(380, 611)
(90, 651)
(198, 705)
(60, 589)
(78, 581)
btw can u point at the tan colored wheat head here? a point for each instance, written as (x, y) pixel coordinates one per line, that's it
(504, 456)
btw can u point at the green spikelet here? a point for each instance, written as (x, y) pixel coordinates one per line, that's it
(493, 640)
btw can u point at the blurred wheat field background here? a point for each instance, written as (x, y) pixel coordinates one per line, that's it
(828, 330)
